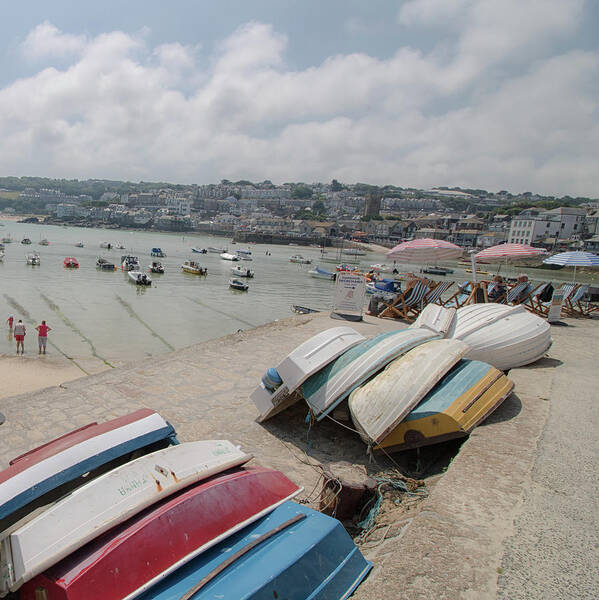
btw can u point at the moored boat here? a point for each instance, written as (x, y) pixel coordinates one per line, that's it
(1, 254)
(379, 405)
(319, 273)
(70, 262)
(331, 385)
(130, 263)
(293, 552)
(463, 398)
(436, 270)
(165, 537)
(26, 241)
(43, 472)
(33, 259)
(199, 250)
(79, 245)
(104, 265)
(44, 242)
(227, 256)
(7, 240)
(156, 267)
(108, 501)
(241, 272)
(190, 266)
(106, 245)
(139, 278)
(158, 252)
(275, 392)
(216, 250)
(237, 284)
(298, 258)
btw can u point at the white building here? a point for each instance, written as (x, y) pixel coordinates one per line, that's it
(532, 226)
(178, 206)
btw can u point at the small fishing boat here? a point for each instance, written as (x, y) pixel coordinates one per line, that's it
(501, 335)
(130, 263)
(165, 537)
(241, 272)
(120, 247)
(227, 256)
(298, 258)
(7, 240)
(70, 262)
(216, 250)
(26, 241)
(303, 310)
(156, 267)
(244, 257)
(331, 385)
(139, 278)
(293, 552)
(246, 252)
(319, 273)
(44, 473)
(461, 400)
(44, 242)
(276, 390)
(158, 252)
(199, 250)
(106, 245)
(437, 270)
(377, 407)
(104, 265)
(79, 245)
(33, 259)
(1, 254)
(190, 266)
(237, 284)
(107, 501)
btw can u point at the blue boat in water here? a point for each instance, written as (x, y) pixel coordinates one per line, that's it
(294, 552)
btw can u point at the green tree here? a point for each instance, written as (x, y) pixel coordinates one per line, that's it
(301, 191)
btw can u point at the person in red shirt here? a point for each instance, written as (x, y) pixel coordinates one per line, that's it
(10, 321)
(42, 337)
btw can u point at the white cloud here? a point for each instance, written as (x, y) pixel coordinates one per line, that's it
(126, 110)
(47, 41)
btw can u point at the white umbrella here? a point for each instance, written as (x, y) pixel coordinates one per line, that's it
(425, 250)
(576, 258)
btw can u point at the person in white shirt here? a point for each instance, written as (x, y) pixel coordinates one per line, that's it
(20, 331)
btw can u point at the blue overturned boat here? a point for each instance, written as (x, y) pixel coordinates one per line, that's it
(294, 552)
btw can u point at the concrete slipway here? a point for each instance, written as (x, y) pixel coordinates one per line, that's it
(514, 516)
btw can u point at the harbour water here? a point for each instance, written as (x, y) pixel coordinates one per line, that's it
(103, 315)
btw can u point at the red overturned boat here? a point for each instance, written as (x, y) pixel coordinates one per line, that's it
(71, 263)
(135, 555)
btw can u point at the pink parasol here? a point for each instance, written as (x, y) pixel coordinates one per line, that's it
(425, 250)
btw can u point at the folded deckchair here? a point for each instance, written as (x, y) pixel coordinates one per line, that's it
(401, 306)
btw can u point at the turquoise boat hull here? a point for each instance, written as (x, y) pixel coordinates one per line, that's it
(311, 559)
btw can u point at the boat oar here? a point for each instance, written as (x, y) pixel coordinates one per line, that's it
(205, 580)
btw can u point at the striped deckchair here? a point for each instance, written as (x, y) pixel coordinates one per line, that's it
(573, 306)
(404, 304)
(542, 308)
(512, 294)
(434, 295)
(460, 298)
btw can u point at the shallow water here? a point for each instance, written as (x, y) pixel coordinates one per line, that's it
(102, 314)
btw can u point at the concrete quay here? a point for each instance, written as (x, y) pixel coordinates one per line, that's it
(512, 517)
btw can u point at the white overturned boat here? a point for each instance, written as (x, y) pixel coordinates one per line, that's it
(139, 278)
(239, 271)
(276, 390)
(436, 318)
(107, 501)
(227, 256)
(380, 405)
(502, 336)
(327, 388)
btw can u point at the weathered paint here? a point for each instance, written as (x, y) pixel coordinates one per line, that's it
(380, 405)
(438, 318)
(459, 402)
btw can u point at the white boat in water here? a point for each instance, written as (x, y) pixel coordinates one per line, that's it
(378, 406)
(502, 336)
(106, 245)
(298, 258)
(79, 245)
(217, 250)
(276, 390)
(239, 271)
(227, 256)
(319, 273)
(237, 284)
(331, 385)
(33, 259)
(106, 501)
(1, 254)
(130, 263)
(199, 250)
(139, 278)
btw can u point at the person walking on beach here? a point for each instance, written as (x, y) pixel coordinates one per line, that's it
(10, 321)
(20, 331)
(42, 337)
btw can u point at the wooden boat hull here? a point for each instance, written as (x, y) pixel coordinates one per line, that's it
(308, 358)
(332, 384)
(465, 397)
(312, 558)
(503, 336)
(140, 552)
(33, 476)
(380, 405)
(107, 501)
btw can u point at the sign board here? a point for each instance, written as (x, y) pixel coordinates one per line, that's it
(348, 299)
(555, 310)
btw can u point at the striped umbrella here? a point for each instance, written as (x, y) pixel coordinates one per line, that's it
(576, 258)
(425, 250)
(508, 252)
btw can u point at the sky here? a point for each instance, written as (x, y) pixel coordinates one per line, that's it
(415, 93)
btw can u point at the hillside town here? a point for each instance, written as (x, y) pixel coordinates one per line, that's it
(324, 214)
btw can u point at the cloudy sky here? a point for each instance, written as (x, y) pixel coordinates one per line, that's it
(472, 93)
